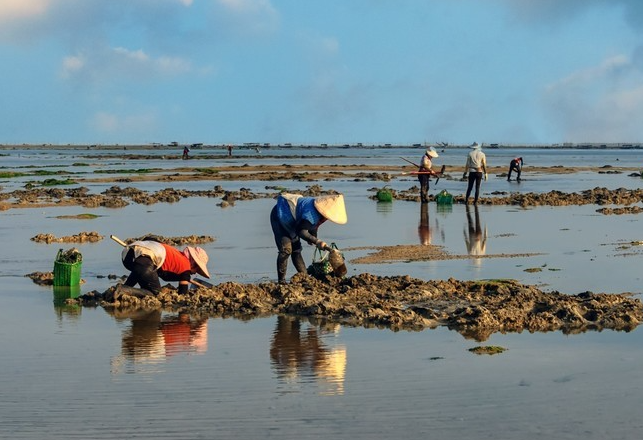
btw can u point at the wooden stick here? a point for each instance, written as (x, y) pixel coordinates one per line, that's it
(118, 240)
(410, 162)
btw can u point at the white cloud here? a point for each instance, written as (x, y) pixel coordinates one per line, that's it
(11, 10)
(109, 63)
(245, 17)
(111, 123)
(71, 65)
(608, 68)
(603, 103)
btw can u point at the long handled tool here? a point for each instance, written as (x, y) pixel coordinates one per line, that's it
(410, 162)
(199, 283)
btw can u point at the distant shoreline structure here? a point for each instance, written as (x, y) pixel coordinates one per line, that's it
(267, 146)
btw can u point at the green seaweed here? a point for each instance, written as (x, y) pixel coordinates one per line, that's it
(487, 349)
(85, 216)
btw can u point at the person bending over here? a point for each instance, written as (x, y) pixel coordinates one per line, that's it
(150, 260)
(295, 218)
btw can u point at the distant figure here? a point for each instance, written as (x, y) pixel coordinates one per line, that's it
(186, 153)
(229, 150)
(515, 165)
(476, 166)
(425, 169)
(257, 150)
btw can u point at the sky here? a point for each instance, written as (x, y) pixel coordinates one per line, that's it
(311, 72)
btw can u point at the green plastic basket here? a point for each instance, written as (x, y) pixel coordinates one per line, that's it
(444, 198)
(385, 195)
(66, 274)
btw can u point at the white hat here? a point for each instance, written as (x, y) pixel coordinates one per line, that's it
(332, 207)
(431, 152)
(200, 257)
(475, 145)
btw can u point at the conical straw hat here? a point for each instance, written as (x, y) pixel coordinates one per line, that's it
(200, 257)
(332, 207)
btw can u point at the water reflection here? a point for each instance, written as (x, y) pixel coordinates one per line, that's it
(426, 232)
(475, 237)
(67, 309)
(384, 207)
(424, 228)
(153, 337)
(299, 354)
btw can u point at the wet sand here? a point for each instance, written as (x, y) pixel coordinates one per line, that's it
(121, 194)
(476, 309)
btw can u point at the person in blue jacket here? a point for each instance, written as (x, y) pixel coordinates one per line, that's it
(294, 218)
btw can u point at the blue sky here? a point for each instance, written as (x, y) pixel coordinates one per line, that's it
(332, 71)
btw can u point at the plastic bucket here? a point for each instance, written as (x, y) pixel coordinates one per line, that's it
(385, 195)
(66, 274)
(444, 198)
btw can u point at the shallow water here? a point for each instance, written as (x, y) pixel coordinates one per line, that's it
(85, 373)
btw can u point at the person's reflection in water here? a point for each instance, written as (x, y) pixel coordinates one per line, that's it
(298, 354)
(474, 236)
(184, 334)
(152, 338)
(424, 229)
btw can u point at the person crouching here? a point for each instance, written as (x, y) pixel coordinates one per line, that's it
(149, 260)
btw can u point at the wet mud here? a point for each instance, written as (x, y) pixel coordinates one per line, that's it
(409, 253)
(475, 309)
(117, 197)
(81, 237)
(596, 196)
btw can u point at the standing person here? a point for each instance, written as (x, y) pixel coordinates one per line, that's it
(295, 217)
(229, 150)
(476, 166)
(150, 260)
(425, 167)
(515, 165)
(186, 152)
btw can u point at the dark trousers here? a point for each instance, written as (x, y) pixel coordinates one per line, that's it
(286, 247)
(516, 168)
(474, 178)
(142, 271)
(424, 187)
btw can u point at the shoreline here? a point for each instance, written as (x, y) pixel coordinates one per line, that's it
(321, 146)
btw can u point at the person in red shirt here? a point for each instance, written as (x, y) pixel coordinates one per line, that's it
(150, 260)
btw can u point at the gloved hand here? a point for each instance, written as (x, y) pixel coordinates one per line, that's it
(486, 176)
(464, 176)
(321, 245)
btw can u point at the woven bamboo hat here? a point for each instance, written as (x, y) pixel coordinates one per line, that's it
(200, 257)
(332, 207)
(431, 152)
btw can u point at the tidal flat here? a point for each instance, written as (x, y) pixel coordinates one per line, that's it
(74, 371)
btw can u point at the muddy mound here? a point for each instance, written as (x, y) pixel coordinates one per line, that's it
(596, 196)
(174, 241)
(81, 237)
(476, 309)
